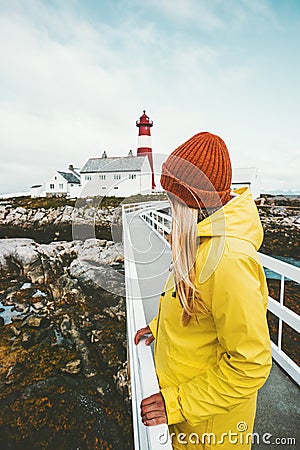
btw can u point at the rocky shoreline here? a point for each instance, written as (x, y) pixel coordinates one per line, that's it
(45, 225)
(63, 373)
(280, 216)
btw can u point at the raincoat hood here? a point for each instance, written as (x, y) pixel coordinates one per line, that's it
(239, 218)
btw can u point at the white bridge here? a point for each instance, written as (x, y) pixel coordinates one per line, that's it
(147, 258)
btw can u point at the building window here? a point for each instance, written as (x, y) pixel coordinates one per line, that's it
(55, 178)
(88, 177)
(61, 186)
(51, 186)
(132, 176)
(117, 177)
(102, 177)
(116, 187)
(103, 187)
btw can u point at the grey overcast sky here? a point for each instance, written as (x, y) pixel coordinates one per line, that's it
(75, 75)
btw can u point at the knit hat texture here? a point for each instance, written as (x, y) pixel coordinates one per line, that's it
(199, 172)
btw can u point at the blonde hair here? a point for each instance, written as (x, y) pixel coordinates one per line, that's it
(183, 242)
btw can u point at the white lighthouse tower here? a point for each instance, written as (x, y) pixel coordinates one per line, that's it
(144, 140)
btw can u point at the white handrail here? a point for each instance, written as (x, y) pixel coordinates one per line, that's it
(160, 223)
(142, 371)
(131, 207)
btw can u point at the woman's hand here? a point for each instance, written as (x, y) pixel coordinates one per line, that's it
(143, 332)
(153, 410)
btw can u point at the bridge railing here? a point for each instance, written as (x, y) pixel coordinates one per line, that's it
(142, 371)
(133, 207)
(160, 222)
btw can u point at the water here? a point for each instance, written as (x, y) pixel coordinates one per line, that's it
(25, 286)
(39, 293)
(10, 312)
(276, 276)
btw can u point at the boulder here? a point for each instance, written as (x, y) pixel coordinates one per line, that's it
(37, 322)
(72, 367)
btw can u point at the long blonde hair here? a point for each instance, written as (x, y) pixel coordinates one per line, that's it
(184, 248)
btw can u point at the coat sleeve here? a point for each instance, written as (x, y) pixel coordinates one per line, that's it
(239, 313)
(153, 326)
(154, 322)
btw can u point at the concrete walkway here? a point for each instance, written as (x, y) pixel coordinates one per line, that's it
(152, 258)
(278, 410)
(278, 406)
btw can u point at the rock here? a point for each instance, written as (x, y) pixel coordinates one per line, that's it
(41, 263)
(1, 321)
(38, 305)
(100, 390)
(96, 275)
(82, 349)
(9, 300)
(30, 339)
(37, 322)
(117, 311)
(35, 336)
(20, 307)
(287, 221)
(95, 335)
(72, 367)
(122, 380)
(65, 325)
(278, 211)
(38, 216)
(19, 318)
(25, 286)
(15, 330)
(9, 375)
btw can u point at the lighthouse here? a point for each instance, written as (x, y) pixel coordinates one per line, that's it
(144, 140)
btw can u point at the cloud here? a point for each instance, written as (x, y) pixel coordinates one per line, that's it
(191, 12)
(73, 83)
(216, 15)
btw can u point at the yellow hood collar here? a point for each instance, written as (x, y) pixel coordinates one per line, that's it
(238, 218)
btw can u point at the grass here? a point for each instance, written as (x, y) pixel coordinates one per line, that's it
(56, 202)
(39, 202)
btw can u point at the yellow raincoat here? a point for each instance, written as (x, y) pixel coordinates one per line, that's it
(210, 371)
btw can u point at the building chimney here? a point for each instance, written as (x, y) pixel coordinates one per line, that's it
(130, 153)
(144, 147)
(71, 167)
(104, 155)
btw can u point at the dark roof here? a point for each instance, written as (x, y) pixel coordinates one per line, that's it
(114, 164)
(70, 177)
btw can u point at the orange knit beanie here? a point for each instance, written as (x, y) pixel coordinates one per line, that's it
(199, 172)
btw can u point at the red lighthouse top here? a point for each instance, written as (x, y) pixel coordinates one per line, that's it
(144, 124)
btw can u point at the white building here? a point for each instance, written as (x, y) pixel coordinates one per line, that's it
(37, 190)
(248, 176)
(64, 183)
(116, 176)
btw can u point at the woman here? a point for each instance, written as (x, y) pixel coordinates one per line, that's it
(212, 347)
